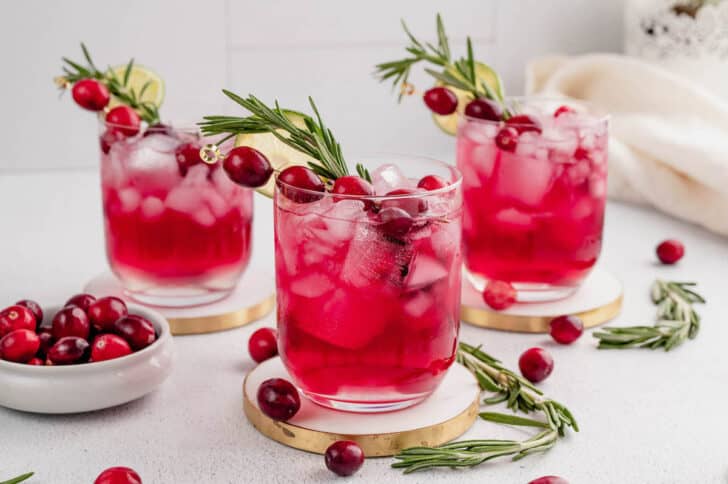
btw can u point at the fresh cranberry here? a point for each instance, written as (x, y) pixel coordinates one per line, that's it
(104, 312)
(581, 153)
(109, 137)
(499, 295)
(414, 204)
(35, 361)
(16, 317)
(431, 182)
(68, 350)
(19, 345)
(83, 301)
(118, 475)
(536, 364)
(670, 251)
(136, 330)
(34, 308)
(441, 100)
(263, 344)
(278, 399)
(395, 221)
(484, 109)
(344, 457)
(109, 346)
(90, 94)
(523, 123)
(71, 321)
(562, 110)
(507, 139)
(46, 341)
(159, 128)
(549, 480)
(187, 156)
(248, 167)
(352, 185)
(566, 329)
(125, 119)
(302, 178)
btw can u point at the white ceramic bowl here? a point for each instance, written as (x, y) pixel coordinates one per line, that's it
(89, 386)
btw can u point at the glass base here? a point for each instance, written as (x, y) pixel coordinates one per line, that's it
(527, 292)
(176, 297)
(364, 407)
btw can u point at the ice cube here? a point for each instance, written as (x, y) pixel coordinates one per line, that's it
(373, 259)
(424, 271)
(224, 185)
(389, 177)
(152, 207)
(312, 285)
(129, 199)
(418, 304)
(161, 143)
(215, 202)
(151, 165)
(526, 180)
(204, 217)
(481, 133)
(341, 219)
(196, 176)
(579, 172)
(597, 186)
(446, 237)
(513, 219)
(186, 200)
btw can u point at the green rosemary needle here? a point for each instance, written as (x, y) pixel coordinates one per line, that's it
(21, 478)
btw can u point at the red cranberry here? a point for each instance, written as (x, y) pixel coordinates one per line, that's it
(104, 312)
(536, 364)
(71, 321)
(523, 123)
(278, 399)
(125, 119)
(302, 178)
(670, 251)
(46, 341)
(136, 330)
(118, 475)
(566, 329)
(352, 185)
(344, 457)
(159, 128)
(562, 110)
(263, 344)
(68, 350)
(187, 156)
(34, 308)
(19, 345)
(484, 109)
(441, 100)
(431, 182)
(248, 167)
(90, 94)
(581, 153)
(35, 361)
(395, 221)
(549, 480)
(109, 346)
(414, 204)
(84, 301)
(16, 317)
(507, 139)
(499, 295)
(109, 137)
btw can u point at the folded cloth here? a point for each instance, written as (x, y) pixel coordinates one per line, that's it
(668, 136)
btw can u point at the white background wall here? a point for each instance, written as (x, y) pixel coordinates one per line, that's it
(275, 48)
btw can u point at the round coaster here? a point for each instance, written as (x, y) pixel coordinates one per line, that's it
(443, 416)
(598, 300)
(251, 299)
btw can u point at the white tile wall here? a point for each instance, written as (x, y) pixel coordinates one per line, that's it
(277, 48)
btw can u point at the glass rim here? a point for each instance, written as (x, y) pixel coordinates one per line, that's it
(600, 117)
(189, 127)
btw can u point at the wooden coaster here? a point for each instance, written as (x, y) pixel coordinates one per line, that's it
(442, 417)
(598, 300)
(251, 299)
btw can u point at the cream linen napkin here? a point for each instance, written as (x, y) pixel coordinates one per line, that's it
(668, 144)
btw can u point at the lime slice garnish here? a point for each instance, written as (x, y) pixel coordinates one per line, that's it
(484, 73)
(138, 77)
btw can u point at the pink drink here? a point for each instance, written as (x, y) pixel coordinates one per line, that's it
(533, 216)
(173, 239)
(368, 321)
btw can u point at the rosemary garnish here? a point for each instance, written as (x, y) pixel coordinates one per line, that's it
(519, 395)
(677, 321)
(21, 478)
(314, 139)
(74, 71)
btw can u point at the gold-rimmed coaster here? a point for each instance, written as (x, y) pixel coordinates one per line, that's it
(442, 417)
(598, 300)
(251, 299)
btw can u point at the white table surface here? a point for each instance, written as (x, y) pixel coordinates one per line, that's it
(646, 417)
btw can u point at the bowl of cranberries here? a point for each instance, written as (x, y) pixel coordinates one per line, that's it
(87, 354)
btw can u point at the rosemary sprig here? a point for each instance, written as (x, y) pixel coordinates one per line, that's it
(74, 71)
(677, 321)
(21, 478)
(520, 395)
(315, 139)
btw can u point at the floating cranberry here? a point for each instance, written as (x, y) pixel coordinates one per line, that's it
(278, 399)
(109, 137)
(263, 344)
(431, 182)
(441, 100)
(35, 361)
(16, 317)
(71, 321)
(562, 110)
(118, 475)
(83, 301)
(19, 345)
(68, 350)
(411, 200)
(46, 341)
(549, 480)
(301, 178)
(90, 94)
(109, 346)
(524, 123)
(507, 139)
(352, 185)
(499, 295)
(670, 251)
(34, 308)
(395, 221)
(566, 329)
(159, 128)
(344, 457)
(581, 154)
(248, 167)
(484, 109)
(536, 364)
(187, 156)
(136, 330)
(125, 119)
(104, 312)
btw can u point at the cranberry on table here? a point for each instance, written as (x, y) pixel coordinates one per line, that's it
(536, 364)
(125, 119)
(441, 100)
(507, 139)
(90, 94)
(263, 344)
(104, 312)
(549, 480)
(34, 308)
(566, 329)
(109, 346)
(344, 457)
(278, 399)
(562, 110)
(118, 475)
(68, 350)
(84, 301)
(19, 345)
(431, 182)
(136, 330)
(248, 167)
(16, 317)
(395, 221)
(411, 200)
(71, 321)
(187, 156)
(484, 109)
(670, 251)
(499, 295)
(302, 178)
(35, 361)
(524, 123)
